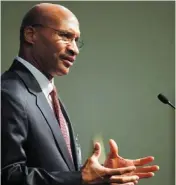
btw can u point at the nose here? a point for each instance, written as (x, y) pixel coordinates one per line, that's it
(73, 48)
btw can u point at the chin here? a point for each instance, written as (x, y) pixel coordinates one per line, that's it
(62, 72)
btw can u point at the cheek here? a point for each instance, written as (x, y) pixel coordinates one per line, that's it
(51, 55)
(58, 51)
(43, 50)
(51, 52)
(49, 48)
(60, 47)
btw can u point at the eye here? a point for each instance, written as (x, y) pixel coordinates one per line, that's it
(66, 35)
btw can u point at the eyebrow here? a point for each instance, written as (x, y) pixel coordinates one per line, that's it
(71, 31)
(71, 34)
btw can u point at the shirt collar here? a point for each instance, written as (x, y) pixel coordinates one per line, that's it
(44, 83)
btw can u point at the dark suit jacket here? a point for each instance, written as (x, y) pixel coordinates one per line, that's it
(33, 149)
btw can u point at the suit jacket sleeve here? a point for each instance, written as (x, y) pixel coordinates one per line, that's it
(14, 133)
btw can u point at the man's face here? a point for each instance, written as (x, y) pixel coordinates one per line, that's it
(55, 47)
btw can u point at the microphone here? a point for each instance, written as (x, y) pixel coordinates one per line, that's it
(164, 100)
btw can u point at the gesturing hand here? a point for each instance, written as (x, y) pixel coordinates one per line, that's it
(115, 161)
(94, 173)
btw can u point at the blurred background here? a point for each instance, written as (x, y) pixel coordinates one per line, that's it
(111, 91)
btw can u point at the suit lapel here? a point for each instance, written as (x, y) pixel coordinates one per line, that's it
(54, 125)
(45, 109)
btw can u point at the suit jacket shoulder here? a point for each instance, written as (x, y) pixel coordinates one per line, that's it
(31, 139)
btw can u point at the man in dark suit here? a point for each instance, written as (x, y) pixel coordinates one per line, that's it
(38, 143)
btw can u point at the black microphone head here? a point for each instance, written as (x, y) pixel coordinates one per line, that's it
(163, 99)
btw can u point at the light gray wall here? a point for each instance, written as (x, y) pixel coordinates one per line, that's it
(127, 60)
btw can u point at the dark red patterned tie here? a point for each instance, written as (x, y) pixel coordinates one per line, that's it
(60, 118)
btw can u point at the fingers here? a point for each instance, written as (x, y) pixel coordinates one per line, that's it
(124, 179)
(143, 161)
(147, 169)
(113, 147)
(96, 150)
(129, 183)
(146, 172)
(145, 175)
(118, 171)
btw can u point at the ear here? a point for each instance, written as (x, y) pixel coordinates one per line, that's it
(30, 34)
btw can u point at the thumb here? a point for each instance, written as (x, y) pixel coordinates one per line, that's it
(113, 147)
(96, 150)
